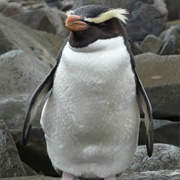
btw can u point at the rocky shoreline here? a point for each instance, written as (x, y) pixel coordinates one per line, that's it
(31, 34)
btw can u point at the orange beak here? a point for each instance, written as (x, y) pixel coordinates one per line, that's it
(75, 23)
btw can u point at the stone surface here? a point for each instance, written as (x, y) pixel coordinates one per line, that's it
(167, 132)
(3, 4)
(145, 19)
(34, 154)
(36, 19)
(128, 4)
(171, 40)
(164, 157)
(20, 74)
(13, 8)
(151, 43)
(173, 7)
(10, 163)
(161, 78)
(14, 35)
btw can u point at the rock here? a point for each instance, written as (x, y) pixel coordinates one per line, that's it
(54, 3)
(45, 19)
(10, 163)
(135, 48)
(13, 8)
(32, 178)
(29, 171)
(128, 4)
(34, 154)
(161, 78)
(171, 40)
(146, 19)
(173, 7)
(164, 157)
(167, 132)
(151, 175)
(151, 43)
(14, 35)
(160, 5)
(36, 19)
(3, 4)
(20, 74)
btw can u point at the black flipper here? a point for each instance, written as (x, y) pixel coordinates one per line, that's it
(148, 119)
(36, 100)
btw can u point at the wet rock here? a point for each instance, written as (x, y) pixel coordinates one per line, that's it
(173, 7)
(146, 19)
(34, 154)
(164, 157)
(171, 40)
(13, 8)
(20, 74)
(10, 163)
(151, 43)
(14, 35)
(161, 78)
(160, 5)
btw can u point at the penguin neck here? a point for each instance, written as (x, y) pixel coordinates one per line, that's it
(100, 45)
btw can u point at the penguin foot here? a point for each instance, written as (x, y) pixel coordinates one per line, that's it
(66, 176)
(110, 178)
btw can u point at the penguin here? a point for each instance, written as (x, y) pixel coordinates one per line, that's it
(92, 115)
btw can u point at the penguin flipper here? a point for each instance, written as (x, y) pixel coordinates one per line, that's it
(146, 107)
(36, 100)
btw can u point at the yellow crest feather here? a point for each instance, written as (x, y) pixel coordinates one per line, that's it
(113, 13)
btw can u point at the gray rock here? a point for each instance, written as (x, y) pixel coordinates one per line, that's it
(164, 157)
(173, 7)
(160, 5)
(20, 74)
(44, 19)
(151, 43)
(13, 8)
(145, 19)
(36, 19)
(10, 163)
(161, 78)
(171, 40)
(29, 171)
(128, 4)
(31, 178)
(152, 175)
(34, 154)
(14, 35)
(167, 132)
(3, 4)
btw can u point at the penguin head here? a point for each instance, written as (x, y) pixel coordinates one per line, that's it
(89, 23)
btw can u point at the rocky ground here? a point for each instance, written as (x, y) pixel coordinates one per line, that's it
(32, 32)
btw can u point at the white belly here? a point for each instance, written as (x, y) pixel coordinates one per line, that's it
(91, 119)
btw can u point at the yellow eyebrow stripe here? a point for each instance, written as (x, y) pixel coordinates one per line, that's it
(114, 13)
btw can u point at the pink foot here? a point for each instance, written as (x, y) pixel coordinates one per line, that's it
(66, 176)
(110, 178)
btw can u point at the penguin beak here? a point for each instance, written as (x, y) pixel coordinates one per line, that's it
(75, 23)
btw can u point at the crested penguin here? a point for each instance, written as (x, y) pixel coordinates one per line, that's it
(92, 114)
